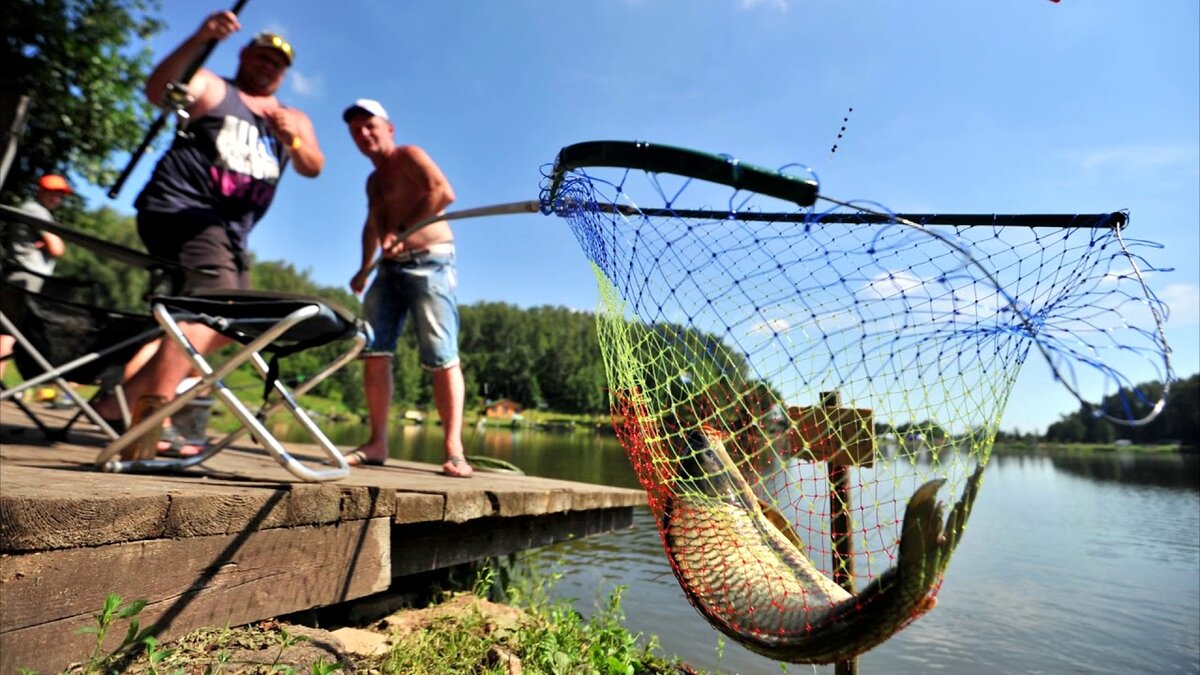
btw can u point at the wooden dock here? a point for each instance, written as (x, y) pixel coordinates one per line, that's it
(239, 540)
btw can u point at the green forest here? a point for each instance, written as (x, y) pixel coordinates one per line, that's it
(1179, 421)
(544, 357)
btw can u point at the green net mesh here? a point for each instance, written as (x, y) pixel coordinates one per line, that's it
(798, 389)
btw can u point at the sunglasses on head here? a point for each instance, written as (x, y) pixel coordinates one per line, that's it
(273, 41)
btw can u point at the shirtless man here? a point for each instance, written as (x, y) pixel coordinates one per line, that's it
(416, 274)
(217, 180)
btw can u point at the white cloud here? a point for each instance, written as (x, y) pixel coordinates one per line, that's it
(887, 286)
(303, 85)
(772, 326)
(1184, 301)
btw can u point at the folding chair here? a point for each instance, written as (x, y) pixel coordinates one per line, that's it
(277, 324)
(63, 336)
(63, 341)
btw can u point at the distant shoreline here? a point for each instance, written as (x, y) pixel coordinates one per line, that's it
(1046, 448)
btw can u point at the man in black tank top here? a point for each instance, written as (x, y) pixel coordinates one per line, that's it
(216, 180)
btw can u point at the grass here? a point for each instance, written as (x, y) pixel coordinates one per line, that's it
(546, 637)
(459, 633)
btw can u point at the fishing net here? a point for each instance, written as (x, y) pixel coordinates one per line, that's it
(786, 377)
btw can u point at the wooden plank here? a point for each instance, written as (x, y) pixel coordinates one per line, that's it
(202, 581)
(45, 509)
(41, 509)
(431, 546)
(504, 495)
(833, 434)
(417, 507)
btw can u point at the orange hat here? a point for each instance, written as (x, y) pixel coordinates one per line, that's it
(54, 183)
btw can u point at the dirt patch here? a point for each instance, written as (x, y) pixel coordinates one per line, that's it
(274, 646)
(496, 617)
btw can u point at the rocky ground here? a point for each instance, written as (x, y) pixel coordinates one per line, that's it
(275, 646)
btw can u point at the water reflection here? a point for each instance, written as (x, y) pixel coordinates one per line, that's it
(1165, 471)
(1083, 563)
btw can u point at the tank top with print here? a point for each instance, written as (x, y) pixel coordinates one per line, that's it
(225, 165)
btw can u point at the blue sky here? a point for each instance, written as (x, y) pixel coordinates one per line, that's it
(959, 105)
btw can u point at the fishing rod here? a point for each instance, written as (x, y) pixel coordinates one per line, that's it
(175, 100)
(530, 206)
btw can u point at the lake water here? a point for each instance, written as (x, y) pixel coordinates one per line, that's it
(1073, 564)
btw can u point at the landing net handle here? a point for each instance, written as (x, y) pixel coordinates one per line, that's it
(724, 170)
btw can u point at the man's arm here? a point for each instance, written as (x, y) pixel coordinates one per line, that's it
(217, 26)
(370, 241)
(51, 245)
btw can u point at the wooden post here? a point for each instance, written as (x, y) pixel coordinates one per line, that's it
(843, 544)
(840, 525)
(840, 437)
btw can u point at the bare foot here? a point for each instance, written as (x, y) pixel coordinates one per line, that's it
(367, 455)
(457, 467)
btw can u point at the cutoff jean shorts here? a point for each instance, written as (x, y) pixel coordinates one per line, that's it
(425, 286)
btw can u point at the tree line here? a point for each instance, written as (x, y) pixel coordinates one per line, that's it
(540, 357)
(549, 357)
(1179, 420)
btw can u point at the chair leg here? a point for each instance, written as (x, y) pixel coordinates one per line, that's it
(50, 433)
(55, 375)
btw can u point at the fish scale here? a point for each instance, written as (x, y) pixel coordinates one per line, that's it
(754, 585)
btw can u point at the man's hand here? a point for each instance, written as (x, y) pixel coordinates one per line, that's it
(392, 245)
(218, 26)
(359, 280)
(285, 126)
(294, 130)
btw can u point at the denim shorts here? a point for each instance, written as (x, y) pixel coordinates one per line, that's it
(424, 286)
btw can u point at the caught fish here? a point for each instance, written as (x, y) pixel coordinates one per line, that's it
(753, 583)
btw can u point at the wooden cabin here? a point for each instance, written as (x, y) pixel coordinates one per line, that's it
(503, 409)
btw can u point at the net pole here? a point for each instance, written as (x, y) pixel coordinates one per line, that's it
(506, 209)
(840, 525)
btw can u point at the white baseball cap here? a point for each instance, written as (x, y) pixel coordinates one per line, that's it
(364, 105)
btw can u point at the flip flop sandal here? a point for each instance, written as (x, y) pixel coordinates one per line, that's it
(174, 445)
(360, 458)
